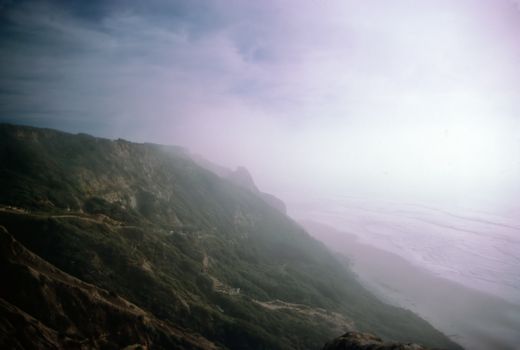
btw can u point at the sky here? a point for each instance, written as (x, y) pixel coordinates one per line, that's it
(412, 100)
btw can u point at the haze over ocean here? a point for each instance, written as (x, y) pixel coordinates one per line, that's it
(475, 248)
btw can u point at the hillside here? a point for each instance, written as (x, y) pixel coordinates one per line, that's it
(43, 314)
(190, 249)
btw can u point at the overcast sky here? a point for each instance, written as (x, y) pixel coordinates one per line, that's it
(404, 98)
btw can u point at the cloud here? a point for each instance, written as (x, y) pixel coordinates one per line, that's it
(270, 83)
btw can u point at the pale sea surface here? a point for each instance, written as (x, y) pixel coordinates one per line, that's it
(477, 249)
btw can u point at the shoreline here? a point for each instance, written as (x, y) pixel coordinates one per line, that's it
(470, 317)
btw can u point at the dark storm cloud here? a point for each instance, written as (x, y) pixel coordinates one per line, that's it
(66, 56)
(78, 55)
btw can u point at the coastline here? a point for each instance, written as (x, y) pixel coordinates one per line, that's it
(470, 317)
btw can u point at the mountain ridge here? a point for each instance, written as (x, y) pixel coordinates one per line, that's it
(189, 247)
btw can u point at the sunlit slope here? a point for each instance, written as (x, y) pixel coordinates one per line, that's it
(145, 222)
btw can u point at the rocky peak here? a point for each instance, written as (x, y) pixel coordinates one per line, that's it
(241, 177)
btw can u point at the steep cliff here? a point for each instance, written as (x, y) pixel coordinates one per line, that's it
(190, 249)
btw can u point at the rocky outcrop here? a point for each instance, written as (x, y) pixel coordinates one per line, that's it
(242, 178)
(367, 341)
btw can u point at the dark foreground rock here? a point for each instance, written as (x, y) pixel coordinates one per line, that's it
(367, 341)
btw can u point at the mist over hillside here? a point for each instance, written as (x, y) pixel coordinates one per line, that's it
(145, 224)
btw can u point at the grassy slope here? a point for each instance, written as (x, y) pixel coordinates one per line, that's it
(144, 221)
(48, 309)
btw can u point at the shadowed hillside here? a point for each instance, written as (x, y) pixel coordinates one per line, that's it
(47, 308)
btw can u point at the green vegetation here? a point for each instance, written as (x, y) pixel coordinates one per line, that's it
(145, 222)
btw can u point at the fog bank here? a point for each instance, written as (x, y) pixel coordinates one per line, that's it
(410, 101)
